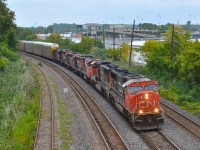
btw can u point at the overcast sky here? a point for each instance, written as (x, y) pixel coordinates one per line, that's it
(46, 12)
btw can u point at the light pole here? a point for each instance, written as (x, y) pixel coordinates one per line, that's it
(160, 24)
(123, 29)
(138, 19)
(141, 24)
(122, 23)
(106, 22)
(190, 22)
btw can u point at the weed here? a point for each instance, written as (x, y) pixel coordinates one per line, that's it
(19, 105)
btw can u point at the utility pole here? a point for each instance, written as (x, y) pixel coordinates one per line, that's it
(104, 37)
(172, 43)
(114, 37)
(114, 43)
(130, 55)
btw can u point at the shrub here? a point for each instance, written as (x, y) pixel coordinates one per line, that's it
(5, 52)
(3, 63)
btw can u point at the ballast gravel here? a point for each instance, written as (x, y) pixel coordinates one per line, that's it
(181, 138)
(84, 136)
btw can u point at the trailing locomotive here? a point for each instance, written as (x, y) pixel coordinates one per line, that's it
(133, 95)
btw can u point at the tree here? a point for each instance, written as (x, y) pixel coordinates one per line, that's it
(149, 26)
(7, 24)
(190, 63)
(65, 43)
(12, 40)
(24, 33)
(100, 53)
(176, 46)
(54, 38)
(124, 52)
(148, 48)
(31, 37)
(49, 29)
(86, 45)
(114, 53)
(99, 43)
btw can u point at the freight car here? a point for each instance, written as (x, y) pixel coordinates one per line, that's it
(134, 95)
(38, 48)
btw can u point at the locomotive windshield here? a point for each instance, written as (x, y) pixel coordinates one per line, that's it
(152, 87)
(133, 89)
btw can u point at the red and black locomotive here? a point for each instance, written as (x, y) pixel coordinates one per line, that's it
(134, 95)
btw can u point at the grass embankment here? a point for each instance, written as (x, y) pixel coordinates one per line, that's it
(19, 105)
(175, 90)
(65, 121)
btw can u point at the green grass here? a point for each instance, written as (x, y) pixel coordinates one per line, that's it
(19, 105)
(65, 119)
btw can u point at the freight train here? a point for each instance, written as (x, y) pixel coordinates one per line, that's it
(134, 95)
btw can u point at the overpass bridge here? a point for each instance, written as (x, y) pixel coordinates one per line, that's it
(124, 33)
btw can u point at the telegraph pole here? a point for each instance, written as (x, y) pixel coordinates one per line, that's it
(172, 43)
(114, 43)
(114, 37)
(130, 55)
(104, 36)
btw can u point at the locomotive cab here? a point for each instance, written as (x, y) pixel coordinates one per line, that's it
(142, 103)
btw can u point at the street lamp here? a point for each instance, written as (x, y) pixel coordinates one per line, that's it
(141, 24)
(190, 21)
(160, 24)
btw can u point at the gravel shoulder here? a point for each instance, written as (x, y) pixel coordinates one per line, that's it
(84, 136)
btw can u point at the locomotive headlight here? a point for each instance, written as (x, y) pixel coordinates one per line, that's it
(146, 96)
(156, 110)
(140, 111)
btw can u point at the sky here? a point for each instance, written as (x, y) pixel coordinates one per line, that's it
(29, 13)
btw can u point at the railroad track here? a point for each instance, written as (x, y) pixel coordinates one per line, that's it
(110, 141)
(109, 134)
(157, 140)
(184, 121)
(44, 138)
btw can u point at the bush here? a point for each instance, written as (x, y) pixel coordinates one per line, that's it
(100, 53)
(185, 97)
(3, 63)
(170, 94)
(5, 52)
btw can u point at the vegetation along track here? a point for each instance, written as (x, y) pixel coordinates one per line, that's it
(110, 136)
(157, 140)
(44, 138)
(182, 120)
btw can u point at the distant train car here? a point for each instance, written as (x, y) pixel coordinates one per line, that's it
(81, 64)
(70, 60)
(39, 48)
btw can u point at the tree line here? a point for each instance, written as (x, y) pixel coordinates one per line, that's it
(8, 38)
(175, 63)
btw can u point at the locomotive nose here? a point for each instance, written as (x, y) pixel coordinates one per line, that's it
(148, 102)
